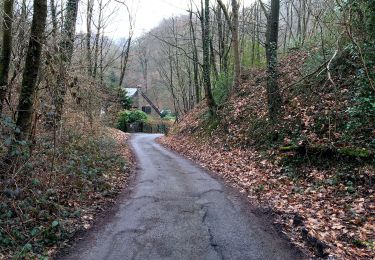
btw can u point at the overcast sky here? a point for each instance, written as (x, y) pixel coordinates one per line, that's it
(149, 13)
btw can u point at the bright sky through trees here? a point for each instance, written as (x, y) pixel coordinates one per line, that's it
(148, 14)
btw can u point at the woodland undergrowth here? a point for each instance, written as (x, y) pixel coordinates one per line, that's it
(59, 189)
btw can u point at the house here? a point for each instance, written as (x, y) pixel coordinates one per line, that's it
(142, 102)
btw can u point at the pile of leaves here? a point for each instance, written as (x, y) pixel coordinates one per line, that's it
(42, 205)
(323, 201)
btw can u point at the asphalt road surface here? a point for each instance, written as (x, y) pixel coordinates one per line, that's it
(176, 210)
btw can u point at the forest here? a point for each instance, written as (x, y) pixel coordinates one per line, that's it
(275, 97)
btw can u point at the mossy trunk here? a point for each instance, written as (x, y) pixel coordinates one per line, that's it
(31, 70)
(66, 52)
(273, 92)
(206, 58)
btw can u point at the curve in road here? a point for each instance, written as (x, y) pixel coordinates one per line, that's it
(178, 211)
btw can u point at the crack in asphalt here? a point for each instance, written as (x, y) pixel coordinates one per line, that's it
(208, 191)
(147, 181)
(156, 199)
(215, 246)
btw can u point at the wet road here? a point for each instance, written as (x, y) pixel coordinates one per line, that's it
(178, 211)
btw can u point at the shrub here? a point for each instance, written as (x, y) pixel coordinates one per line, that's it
(126, 101)
(222, 88)
(130, 116)
(165, 113)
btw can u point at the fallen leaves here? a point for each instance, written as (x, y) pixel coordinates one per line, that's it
(328, 214)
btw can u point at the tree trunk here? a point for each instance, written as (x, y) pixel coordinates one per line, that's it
(221, 38)
(213, 60)
(257, 22)
(243, 36)
(97, 40)
(126, 50)
(299, 27)
(236, 46)
(66, 53)
(124, 59)
(90, 8)
(101, 69)
(195, 57)
(253, 39)
(54, 19)
(234, 25)
(6, 51)
(291, 22)
(30, 74)
(286, 27)
(206, 58)
(273, 92)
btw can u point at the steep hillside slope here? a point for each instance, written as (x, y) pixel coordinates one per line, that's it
(315, 169)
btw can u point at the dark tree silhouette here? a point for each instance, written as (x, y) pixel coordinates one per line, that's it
(6, 51)
(31, 70)
(273, 92)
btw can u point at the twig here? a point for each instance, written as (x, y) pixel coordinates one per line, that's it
(323, 65)
(177, 47)
(329, 68)
(264, 9)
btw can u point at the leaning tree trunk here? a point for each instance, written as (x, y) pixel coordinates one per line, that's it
(124, 60)
(6, 51)
(273, 92)
(206, 58)
(30, 74)
(66, 47)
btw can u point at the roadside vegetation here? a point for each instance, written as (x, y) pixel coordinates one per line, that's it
(59, 191)
(138, 121)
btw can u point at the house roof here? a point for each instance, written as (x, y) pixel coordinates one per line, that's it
(130, 92)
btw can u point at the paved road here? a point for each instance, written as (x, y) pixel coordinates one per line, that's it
(178, 211)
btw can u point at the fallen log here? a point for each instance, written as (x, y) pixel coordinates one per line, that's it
(330, 152)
